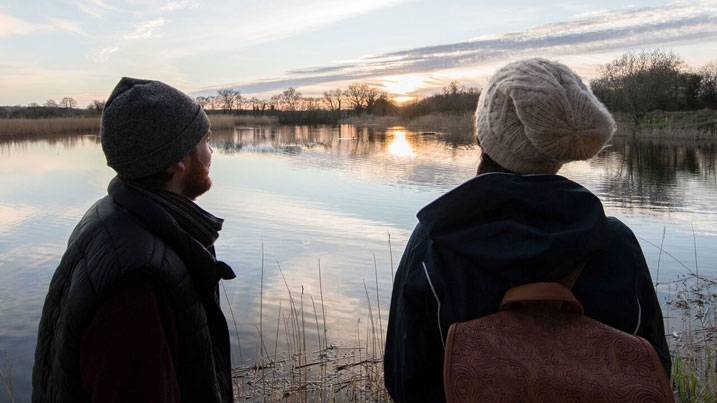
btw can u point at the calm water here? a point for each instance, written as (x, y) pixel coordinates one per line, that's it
(297, 200)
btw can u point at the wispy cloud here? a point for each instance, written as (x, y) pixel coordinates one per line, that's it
(145, 29)
(178, 5)
(13, 26)
(10, 26)
(103, 55)
(95, 8)
(675, 23)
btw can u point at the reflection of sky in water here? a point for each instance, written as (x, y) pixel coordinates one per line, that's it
(310, 197)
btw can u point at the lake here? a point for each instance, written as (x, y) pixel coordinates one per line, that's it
(322, 214)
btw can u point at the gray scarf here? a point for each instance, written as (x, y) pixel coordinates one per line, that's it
(199, 223)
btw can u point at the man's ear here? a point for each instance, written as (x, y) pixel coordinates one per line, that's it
(177, 168)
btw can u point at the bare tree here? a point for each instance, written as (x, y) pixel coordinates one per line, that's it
(229, 98)
(274, 102)
(356, 95)
(362, 97)
(96, 105)
(453, 88)
(707, 92)
(255, 103)
(372, 95)
(202, 101)
(639, 83)
(289, 99)
(333, 98)
(68, 103)
(50, 104)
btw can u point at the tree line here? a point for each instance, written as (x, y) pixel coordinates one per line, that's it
(634, 84)
(638, 83)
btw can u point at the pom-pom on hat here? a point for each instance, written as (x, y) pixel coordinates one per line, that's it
(148, 126)
(535, 115)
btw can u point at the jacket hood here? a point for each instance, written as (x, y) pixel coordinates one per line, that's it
(520, 228)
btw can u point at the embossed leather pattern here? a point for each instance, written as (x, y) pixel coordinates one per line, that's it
(541, 353)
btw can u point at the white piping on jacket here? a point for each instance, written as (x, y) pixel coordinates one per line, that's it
(435, 295)
(639, 317)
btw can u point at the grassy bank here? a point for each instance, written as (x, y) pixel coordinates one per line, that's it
(689, 125)
(224, 121)
(437, 122)
(58, 126)
(81, 125)
(692, 125)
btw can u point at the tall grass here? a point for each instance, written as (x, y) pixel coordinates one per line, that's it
(24, 127)
(694, 352)
(345, 374)
(226, 121)
(692, 342)
(75, 125)
(431, 122)
(6, 378)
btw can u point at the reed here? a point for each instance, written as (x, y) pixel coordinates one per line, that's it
(694, 353)
(226, 121)
(345, 374)
(49, 126)
(6, 378)
(692, 300)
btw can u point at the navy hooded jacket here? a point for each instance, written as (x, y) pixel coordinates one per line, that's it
(499, 229)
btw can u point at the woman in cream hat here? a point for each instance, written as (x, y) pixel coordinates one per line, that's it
(517, 222)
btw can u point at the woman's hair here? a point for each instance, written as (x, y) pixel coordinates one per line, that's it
(488, 165)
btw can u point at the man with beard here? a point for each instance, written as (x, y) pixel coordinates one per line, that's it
(132, 312)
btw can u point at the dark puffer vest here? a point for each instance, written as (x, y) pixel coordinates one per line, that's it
(124, 236)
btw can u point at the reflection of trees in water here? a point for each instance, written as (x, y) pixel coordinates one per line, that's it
(65, 140)
(345, 140)
(655, 173)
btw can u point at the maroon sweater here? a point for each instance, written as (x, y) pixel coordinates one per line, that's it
(128, 352)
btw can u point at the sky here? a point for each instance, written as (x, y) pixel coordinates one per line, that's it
(51, 49)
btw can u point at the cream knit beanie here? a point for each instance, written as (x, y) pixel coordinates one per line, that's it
(535, 115)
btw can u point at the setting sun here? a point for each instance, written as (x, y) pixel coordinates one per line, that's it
(402, 86)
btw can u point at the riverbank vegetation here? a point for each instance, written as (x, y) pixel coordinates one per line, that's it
(650, 93)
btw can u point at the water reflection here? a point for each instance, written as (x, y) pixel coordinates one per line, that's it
(399, 145)
(22, 141)
(305, 196)
(656, 174)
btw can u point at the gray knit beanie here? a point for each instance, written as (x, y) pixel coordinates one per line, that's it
(147, 126)
(535, 115)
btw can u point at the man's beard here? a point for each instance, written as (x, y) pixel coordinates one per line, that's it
(198, 181)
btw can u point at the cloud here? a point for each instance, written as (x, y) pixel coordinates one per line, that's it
(95, 8)
(145, 29)
(178, 5)
(103, 55)
(672, 24)
(11, 26)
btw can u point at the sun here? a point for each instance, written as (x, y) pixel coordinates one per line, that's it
(402, 86)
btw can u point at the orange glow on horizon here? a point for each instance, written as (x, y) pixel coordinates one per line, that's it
(403, 99)
(402, 86)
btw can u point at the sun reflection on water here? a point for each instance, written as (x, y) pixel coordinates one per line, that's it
(400, 146)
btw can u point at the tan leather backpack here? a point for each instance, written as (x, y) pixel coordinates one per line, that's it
(541, 348)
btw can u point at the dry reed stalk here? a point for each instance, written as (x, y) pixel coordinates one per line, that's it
(226, 121)
(49, 126)
(7, 378)
(236, 328)
(355, 375)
